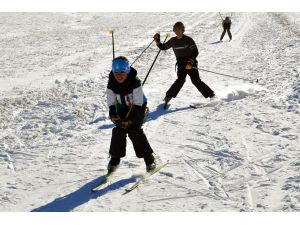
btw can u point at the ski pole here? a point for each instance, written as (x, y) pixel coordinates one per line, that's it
(142, 53)
(168, 35)
(226, 75)
(111, 31)
(221, 16)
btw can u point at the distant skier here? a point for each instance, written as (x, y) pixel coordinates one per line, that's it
(127, 105)
(226, 26)
(186, 52)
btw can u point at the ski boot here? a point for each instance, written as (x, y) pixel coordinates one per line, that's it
(113, 164)
(167, 99)
(213, 98)
(150, 163)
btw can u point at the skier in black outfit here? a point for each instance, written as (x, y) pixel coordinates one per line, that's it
(186, 52)
(127, 105)
(226, 26)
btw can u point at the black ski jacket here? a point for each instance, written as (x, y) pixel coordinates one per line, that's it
(126, 96)
(226, 24)
(184, 48)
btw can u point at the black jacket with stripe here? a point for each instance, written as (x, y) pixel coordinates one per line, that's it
(185, 48)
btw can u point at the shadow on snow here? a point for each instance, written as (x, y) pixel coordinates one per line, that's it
(101, 118)
(161, 111)
(81, 196)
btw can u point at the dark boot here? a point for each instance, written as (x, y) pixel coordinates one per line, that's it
(113, 164)
(167, 99)
(150, 163)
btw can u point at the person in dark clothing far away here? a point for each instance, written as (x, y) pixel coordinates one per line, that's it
(226, 26)
(186, 53)
(127, 106)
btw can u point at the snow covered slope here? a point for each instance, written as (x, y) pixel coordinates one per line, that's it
(242, 154)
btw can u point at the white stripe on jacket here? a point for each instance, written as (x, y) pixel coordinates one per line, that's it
(135, 98)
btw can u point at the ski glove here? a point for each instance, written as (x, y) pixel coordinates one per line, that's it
(115, 119)
(188, 67)
(125, 124)
(189, 64)
(156, 37)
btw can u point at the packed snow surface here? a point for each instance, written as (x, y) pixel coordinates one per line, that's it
(241, 154)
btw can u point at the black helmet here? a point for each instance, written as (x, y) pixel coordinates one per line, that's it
(179, 25)
(227, 18)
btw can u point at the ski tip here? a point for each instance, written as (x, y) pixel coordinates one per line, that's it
(127, 191)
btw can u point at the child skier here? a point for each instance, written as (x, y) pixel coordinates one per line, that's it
(127, 105)
(226, 26)
(186, 52)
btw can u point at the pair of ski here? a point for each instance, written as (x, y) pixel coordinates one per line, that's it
(148, 174)
(196, 105)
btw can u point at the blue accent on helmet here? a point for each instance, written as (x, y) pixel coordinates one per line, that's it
(120, 65)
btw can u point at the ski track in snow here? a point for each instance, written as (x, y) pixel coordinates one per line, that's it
(241, 154)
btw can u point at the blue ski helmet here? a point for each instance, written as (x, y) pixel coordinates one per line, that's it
(120, 64)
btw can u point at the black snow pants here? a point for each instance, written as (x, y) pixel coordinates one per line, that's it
(203, 88)
(224, 32)
(139, 140)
